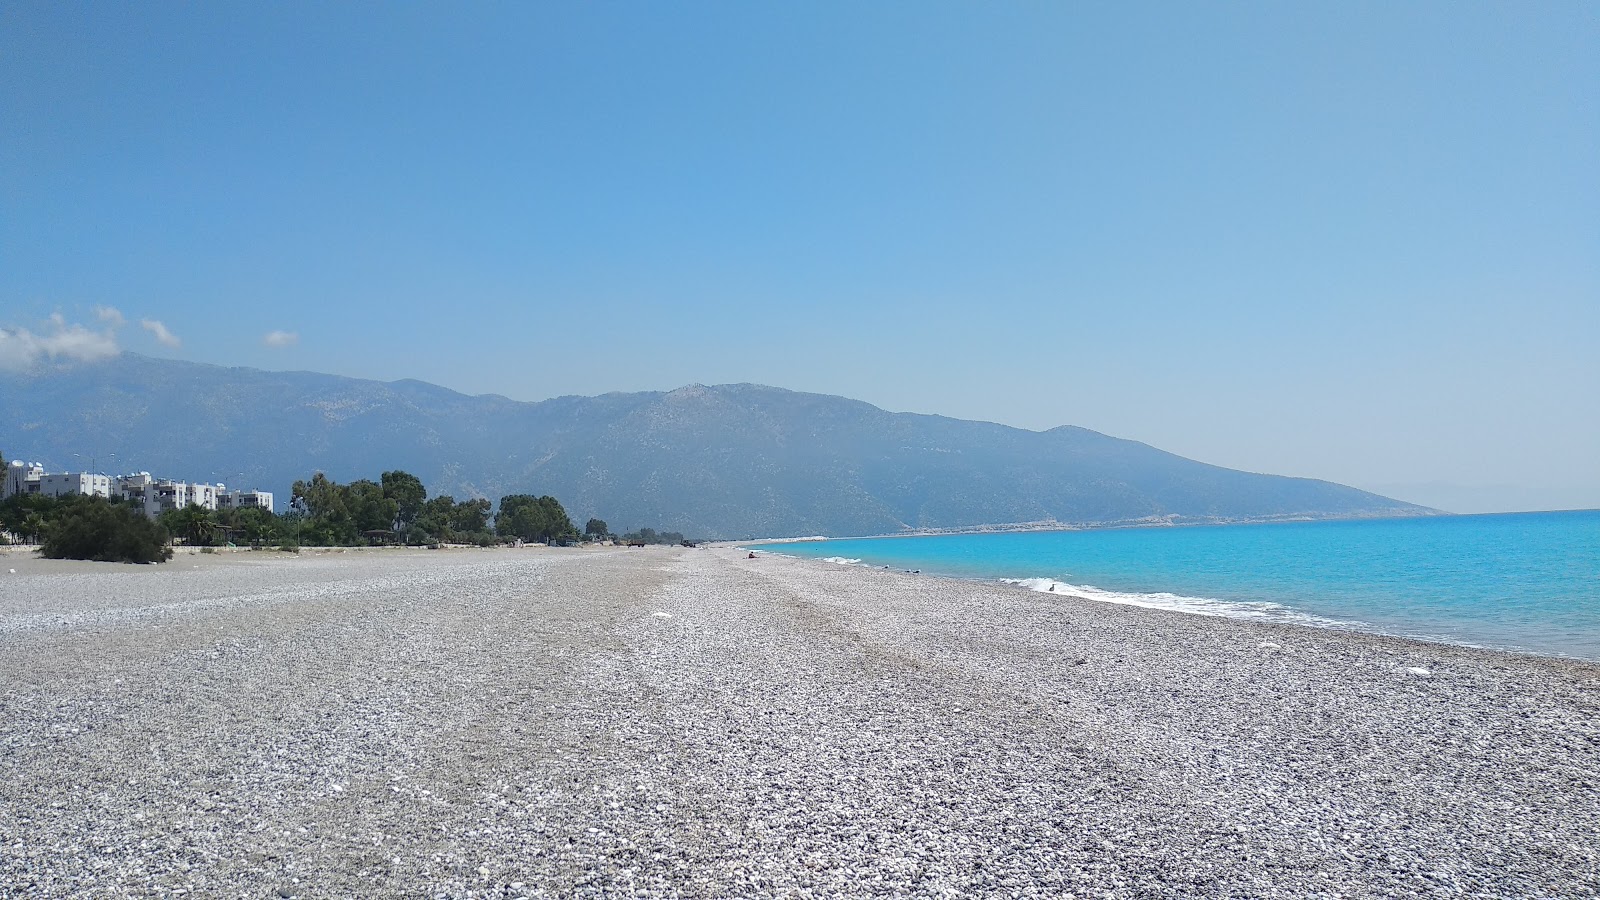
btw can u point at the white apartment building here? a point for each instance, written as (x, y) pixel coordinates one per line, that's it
(150, 495)
(22, 478)
(136, 489)
(64, 484)
(244, 499)
(154, 496)
(163, 495)
(204, 495)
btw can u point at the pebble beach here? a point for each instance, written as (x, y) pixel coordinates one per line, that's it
(692, 723)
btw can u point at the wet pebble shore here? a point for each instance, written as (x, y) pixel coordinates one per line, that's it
(691, 723)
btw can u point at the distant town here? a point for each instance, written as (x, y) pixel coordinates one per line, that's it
(153, 495)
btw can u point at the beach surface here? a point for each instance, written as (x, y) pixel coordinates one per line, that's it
(693, 723)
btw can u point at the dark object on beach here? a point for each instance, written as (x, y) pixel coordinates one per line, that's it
(379, 537)
(93, 528)
(751, 556)
(687, 543)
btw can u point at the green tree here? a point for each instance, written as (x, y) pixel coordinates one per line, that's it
(256, 526)
(470, 518)
(369, 509)
(328, 521)
(27, 515)
(597, 529)
(533, 519)
(406, 490)
(320, 497)
(91, 528)
(33, 526)
(443, 519)
(433, 520)
(195, 524)
(651, 536)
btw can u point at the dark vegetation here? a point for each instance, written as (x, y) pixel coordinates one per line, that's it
(652, 536)
(396, 509)
(534, 519)
(26, 517)
(103, 530)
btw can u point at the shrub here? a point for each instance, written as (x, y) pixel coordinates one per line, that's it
(91, 528)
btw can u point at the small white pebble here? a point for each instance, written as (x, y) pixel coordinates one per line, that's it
(1418, 670)
(1268, 645)
(661, 615)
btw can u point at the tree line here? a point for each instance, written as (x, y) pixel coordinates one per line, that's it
(395, 509)
(652, 536)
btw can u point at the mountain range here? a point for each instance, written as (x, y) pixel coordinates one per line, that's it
(724, 461)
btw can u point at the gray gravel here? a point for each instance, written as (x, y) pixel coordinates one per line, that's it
(660, 723)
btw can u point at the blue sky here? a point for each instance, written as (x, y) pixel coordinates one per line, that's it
(1352, 241)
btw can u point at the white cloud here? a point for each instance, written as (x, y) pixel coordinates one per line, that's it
(281, 338)
(21, 348)
(160, 331)
(110, 315)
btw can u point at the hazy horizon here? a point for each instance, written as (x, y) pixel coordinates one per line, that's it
(1356, 244)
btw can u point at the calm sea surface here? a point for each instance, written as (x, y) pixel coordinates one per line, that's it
(1523, 581)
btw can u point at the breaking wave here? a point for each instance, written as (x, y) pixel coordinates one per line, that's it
(1262, 611)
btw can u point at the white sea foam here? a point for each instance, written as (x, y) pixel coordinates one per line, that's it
(842, 560)
(1202, 606)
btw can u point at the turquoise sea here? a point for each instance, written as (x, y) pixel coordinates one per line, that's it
(1519, 581)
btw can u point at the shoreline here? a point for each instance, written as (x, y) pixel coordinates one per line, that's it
(1529, 606)
(1306, 621)
(557, 722)
(1074, 594)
